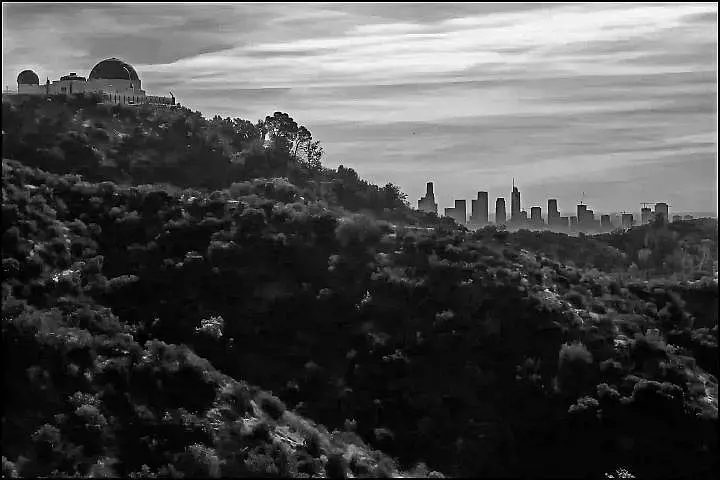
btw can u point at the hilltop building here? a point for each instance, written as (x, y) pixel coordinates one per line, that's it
(427, 202)
(115, 81)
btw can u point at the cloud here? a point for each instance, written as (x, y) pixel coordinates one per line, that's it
(468, 95)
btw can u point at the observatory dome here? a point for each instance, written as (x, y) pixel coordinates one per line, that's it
(114, 69)
(28, 77)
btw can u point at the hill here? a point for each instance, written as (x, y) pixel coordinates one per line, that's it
(179, 147)
(150, 305)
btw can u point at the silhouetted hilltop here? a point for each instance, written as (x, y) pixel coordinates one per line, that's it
(179, 147)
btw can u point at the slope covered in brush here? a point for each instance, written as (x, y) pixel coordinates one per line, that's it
(454, 349)
(181, 148)
(90, 392)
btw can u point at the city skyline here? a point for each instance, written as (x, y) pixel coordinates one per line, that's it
(564, 97)
(431, 189)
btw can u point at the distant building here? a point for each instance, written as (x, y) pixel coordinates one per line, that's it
(536, 216)
(605, 223)
(626, 220)
(677, 218)
(515, 204)
(458, 213)
(500, 214)
(523, 218)
(581, 214)
(573, 223)
(563, 223)
(461, 211)
(688, 217)
(645, 215)
(479, 207)
(427, 203)
(552, 214)
(662, 210)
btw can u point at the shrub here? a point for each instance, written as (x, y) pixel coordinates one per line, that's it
(337, 466)
(575, 299)
(9, 470)
(574, 368)
(271, 405)
(313, 444)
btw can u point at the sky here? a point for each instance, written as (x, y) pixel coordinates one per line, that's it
(616, 102)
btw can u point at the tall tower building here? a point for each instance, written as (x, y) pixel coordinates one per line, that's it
(515, 203)
(581, 211)
(661, 210)
(605, 222)
(458, 212)
(427, 203)
(536, 216)
(479, 216)
(500, 214)
(645, 215)
(553, 215)
(626, 220)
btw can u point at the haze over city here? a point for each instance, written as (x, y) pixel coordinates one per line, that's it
(616, 101)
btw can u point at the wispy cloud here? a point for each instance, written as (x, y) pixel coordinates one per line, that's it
(467, 95)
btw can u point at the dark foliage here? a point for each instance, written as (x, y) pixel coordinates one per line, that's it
(128, 311)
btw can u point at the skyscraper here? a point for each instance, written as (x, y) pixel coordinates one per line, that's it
(515, 203)
(581, 214)
(536, 216)
(605, 222)
(645, 215)
(626, 220)
(458, 212)
(553, 214)
(500, 214)
(479, 216)
(661, 210)
(427, 203)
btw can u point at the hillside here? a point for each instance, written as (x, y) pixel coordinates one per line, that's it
(179, 147)
(155, 308)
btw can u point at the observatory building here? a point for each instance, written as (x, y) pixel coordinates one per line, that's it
(115, 81)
